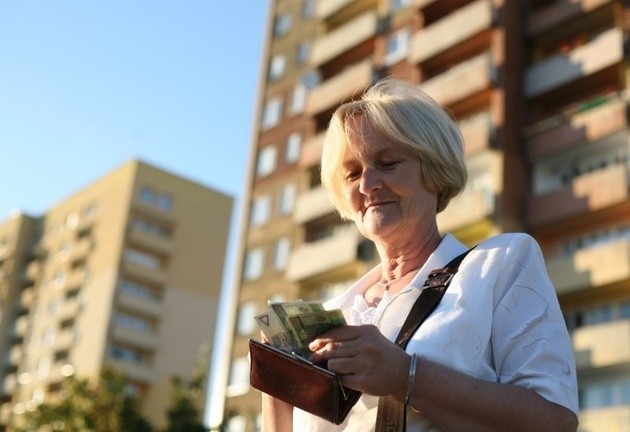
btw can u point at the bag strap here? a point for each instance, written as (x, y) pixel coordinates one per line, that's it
(391, 415)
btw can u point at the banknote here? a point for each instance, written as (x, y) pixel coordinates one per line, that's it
(291, 326)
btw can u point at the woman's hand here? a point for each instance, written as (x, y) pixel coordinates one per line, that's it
(366, 360)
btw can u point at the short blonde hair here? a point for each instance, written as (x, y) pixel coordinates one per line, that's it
(399, 111)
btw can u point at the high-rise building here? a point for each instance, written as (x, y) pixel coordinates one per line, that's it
(124, 273)
(539, 91)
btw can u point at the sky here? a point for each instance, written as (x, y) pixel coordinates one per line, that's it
(87, 85)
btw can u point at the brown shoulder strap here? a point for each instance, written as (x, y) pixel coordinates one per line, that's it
(391, 415)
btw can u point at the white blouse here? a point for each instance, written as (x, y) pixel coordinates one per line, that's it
(499, 321)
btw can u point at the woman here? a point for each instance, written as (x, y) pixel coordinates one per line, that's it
(495, 354)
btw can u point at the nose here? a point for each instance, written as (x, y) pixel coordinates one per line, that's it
(370, 181)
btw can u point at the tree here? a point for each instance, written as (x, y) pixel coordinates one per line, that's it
(85, 407)
(184, 414)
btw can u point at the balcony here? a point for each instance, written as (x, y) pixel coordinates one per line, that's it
(311, 259)
(613, 418)
(151, 242)
(591, 267)
(352, 81)
(139, 272)
(311, 153)
(76, 279)
(144, 306)
(557, 12)
(602, 345)
(465, 209)
(582, 127)
(312, 204)
(141, 372)
(451, 30)
(604, 50)
(15, 354)
(21, 325)
(153, 212)
(65, 339)
(325, 8)
(69, 309)
(476, 131)
(461, 81)
(26, 297)
(344, 38)
(81, 249)
(135, 338)
(587, 193)
(10, 383)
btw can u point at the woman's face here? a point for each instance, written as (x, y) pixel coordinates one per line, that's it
(384, 187)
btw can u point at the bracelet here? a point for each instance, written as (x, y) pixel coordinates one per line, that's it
(411, 378)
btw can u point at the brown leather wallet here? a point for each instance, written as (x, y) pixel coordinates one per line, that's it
(299, 382)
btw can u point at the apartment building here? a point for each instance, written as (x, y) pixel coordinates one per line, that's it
(126, 272)
(539, 91)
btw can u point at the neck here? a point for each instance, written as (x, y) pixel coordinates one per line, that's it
(396, 262)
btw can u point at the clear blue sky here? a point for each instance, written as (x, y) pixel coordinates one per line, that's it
(87, 85)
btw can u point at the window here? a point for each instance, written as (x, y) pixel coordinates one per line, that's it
(125, 354)
(277, 67)
(281, 253)
(142, 258)
(139, 290)
(395, 5)
(253, 264)
(246, 323)
(239, 377)
(397, 47)
(282, 24)
(302, 52)
(272, 113)
(150, 197)
(261, 210)
(292, 148)
(147, 227)
(287, 199)
(308, 9)
(266, 161)
(297, 101)
(133, 322)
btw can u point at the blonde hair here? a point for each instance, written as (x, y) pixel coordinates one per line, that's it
(399, 111)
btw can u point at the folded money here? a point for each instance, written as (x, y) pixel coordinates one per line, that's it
(291, 326)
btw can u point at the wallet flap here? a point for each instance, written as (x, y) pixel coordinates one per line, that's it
(297, 381)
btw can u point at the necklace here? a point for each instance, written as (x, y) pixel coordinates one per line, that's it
(386, 284)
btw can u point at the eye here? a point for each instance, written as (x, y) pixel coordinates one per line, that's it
(352, 174)
(390, 164)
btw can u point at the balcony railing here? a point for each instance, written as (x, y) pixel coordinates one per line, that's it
(344, 38)
(602, 345)
(136, 338)
(587, 193)
(613, 418)
(581, 127)
(152, 242)
(465, 209)
(142, 372)
(461, 81)
(312, 151)
(606, 49)
(325, 8)
(314, 258)
(559, 11)
(332, 92)
(142, 305)
(312, 204)
(476, 132)
(147, 274)
(450, 31)
(591, 267)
